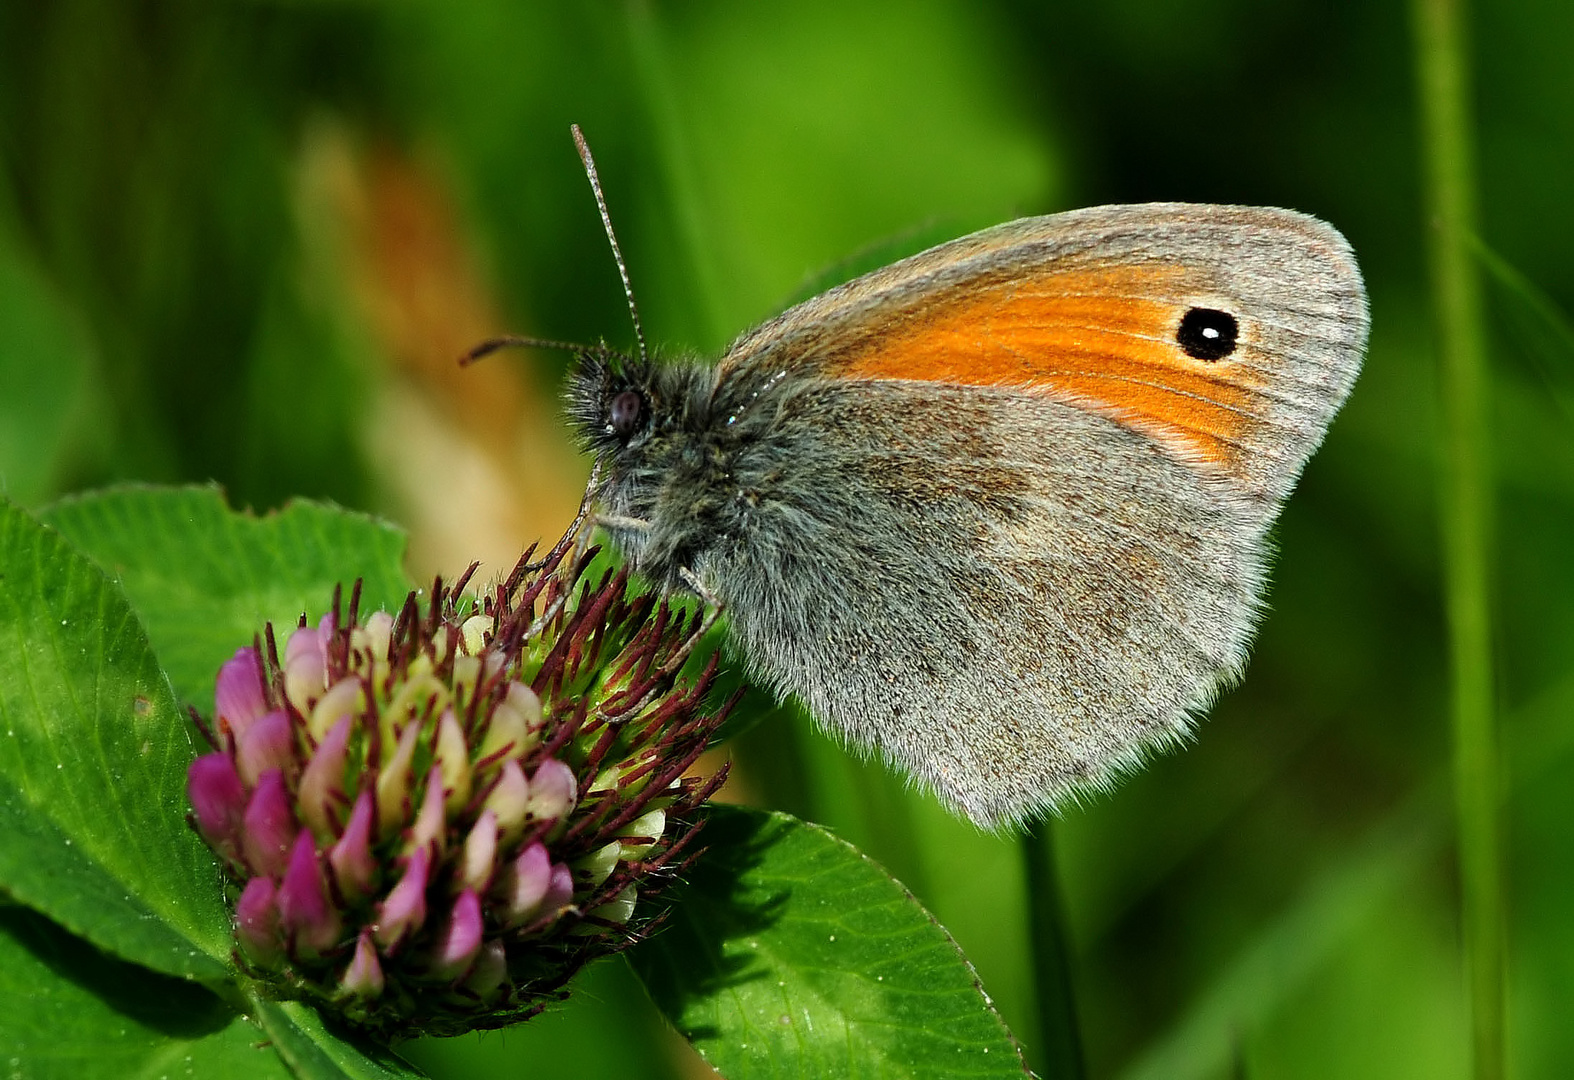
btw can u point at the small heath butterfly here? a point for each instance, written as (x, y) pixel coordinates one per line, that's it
(996, 511)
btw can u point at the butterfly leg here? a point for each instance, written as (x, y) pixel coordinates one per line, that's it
(713, 610)
(574, 534)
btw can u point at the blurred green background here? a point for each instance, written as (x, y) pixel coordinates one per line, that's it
(244, 242)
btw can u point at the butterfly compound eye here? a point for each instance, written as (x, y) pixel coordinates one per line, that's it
(1207, 333)
(625, 412)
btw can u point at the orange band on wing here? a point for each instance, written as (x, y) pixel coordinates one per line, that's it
(1098, 334)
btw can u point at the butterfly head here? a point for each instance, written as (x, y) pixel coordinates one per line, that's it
(609, 401)
(647, 426)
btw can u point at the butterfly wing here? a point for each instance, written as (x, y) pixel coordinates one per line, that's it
(1009, 529)
(1231, 334)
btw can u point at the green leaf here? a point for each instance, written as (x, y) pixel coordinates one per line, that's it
(316, 1053)
(69, 1011)
(791, 954)
(93, 766)
(205, 578)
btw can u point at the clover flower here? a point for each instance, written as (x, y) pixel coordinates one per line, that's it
(430, 821)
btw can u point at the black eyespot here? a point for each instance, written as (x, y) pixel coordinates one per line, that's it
(1207, 334)
(625, 412)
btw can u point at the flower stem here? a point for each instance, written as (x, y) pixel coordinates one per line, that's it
(1061, 1053)
(1466, 497)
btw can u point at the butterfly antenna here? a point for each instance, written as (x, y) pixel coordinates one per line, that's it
(514, 341)
(606, 221)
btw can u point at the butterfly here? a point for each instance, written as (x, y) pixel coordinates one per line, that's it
(996, 512)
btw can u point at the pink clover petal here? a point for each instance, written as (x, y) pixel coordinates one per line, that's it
(354, 869)
(306, 644)
(560, 890)
(257, 922)
(306, 666)
(269, 743)
(429, 823)
(480, 854)
(304, 908)
(364, 976)
(459, 938)
(238, 697)
(269, 827)
(551, 790)
(379, 631)
(404, 911)
(218, 799)
(523, 884)
(509, 799)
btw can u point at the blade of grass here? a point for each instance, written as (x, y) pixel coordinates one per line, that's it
(1059, 1053)
(1448, 160)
